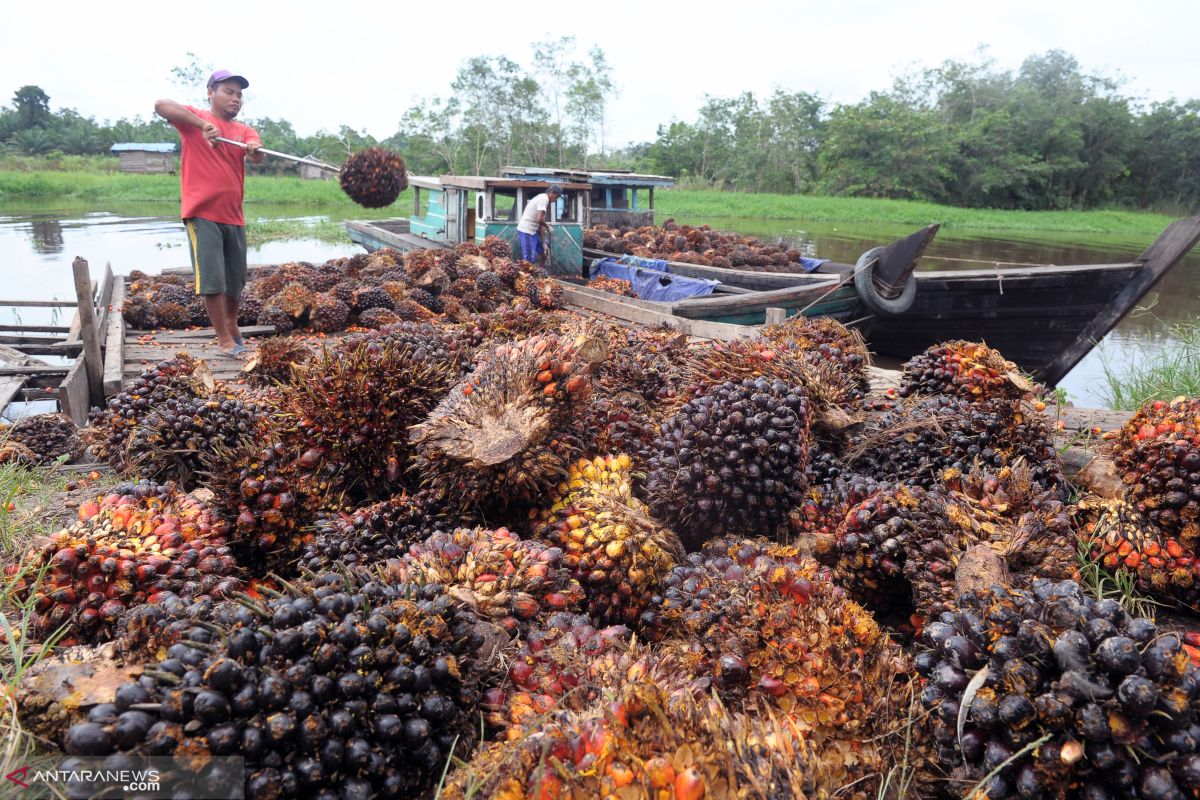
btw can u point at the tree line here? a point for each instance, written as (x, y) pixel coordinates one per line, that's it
(1046, 136)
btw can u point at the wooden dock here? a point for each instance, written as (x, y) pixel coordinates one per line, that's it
(144, 349)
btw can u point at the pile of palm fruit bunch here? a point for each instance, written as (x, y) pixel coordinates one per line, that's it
(1052, 693)
(617, 286)
(386, 287)
(694, 245)
(127, 547)
(48, 438)
(510, 552)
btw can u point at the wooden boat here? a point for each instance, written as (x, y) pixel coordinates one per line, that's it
(616, 198)
(1045, 319)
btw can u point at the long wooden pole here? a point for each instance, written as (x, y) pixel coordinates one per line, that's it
(93, 361)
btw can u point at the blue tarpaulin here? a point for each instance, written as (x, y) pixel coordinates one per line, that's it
(653, 284)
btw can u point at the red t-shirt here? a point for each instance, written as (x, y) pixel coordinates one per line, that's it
(212, 178)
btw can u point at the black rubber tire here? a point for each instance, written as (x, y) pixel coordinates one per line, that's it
(864, 284)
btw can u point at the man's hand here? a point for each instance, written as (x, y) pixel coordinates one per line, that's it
(254, 152)
(211, 132)
(252, 148)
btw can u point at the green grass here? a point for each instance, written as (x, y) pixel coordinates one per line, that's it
(1158, 372)
(702, 203)
(94, 184)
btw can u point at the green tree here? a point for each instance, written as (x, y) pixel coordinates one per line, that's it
(884, 147)
(32, 105)
(192, 79)
(34, 141)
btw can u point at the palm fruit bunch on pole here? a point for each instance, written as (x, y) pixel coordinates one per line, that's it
(776, 630)
(617, 552)
(1052, 693)
(273, 360)
(368, 688)
(643, 745)
(355, 402)
(127, 547)
(918, 441)
(49, 437)
(508, 581)
(370, 534)
(169, 443)
(730, 461)
(374, 177)
(109, 429)
(500, 437)
(1157, 453)
(971, 370)
(1123, 539)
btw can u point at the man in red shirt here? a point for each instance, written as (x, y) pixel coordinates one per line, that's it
(212, 177)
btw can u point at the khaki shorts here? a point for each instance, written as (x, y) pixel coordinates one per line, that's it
(218, 256)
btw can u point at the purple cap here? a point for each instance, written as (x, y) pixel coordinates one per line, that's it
(226, 75)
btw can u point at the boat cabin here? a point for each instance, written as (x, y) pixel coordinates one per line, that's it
(617, 197)
(469, 208)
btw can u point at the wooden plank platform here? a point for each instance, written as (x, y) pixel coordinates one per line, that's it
(142, 349)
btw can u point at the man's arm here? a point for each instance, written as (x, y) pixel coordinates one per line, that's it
(179, 115)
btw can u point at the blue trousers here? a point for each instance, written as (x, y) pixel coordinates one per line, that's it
(531, 246)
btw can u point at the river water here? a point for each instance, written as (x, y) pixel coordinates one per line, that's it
(39, 240)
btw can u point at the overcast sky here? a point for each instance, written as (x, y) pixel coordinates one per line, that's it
(361, 64)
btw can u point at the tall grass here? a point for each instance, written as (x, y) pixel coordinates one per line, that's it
(1158, 373)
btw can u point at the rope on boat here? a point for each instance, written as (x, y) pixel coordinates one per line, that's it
(996, 264)
(848, 279)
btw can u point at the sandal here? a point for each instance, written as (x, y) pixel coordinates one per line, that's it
(231, 353)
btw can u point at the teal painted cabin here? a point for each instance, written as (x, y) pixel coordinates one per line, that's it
(468, 208)
(618, 198)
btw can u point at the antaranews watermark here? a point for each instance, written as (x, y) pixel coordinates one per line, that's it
(128, 776)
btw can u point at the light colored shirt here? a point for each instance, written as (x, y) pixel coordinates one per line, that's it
(529, 218)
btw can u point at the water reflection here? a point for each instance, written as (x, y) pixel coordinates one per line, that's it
(46, 235)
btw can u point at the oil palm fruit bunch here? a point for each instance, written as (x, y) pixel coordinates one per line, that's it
(109, 429)
(643, 744)
(899, 548)
(495, 247)
(918, 441)
(139, 313)
(273, 314)
(173, 293)
(1028, 523)
(647, 361)
(16, 453)
(498, 438)
(296, 300)
(1123, 539)
(377, 318)
(126, 548)
(508, 581)
(273, 361)
(1157, 453)
(568, 663)
(49, 436)
(270, 496)
(963, 369)
(172, 316)
(355, 403)
(368, 688)
(344, 290)
(545, 293)
(372, 533)
(1107, 697)
(170, 442)
(367, 297)
(328, 314)
(832, 491)
(374, 177)
(776, 629)
(731, 460)
(616, 551)
(248, 310)
(419, 262)
(508, 325)
(824, 335)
